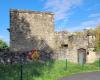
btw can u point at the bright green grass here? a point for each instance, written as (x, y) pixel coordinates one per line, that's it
(51, 70)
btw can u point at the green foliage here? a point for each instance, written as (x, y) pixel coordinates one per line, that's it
(97, 46)
(97, 33)
(43, 71)
(97, 62)
(3, 45)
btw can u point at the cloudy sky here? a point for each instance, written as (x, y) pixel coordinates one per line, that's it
(71, 15)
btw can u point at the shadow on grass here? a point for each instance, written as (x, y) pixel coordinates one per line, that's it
(30, 70)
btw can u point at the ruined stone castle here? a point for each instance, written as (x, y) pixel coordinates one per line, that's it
(35, 30)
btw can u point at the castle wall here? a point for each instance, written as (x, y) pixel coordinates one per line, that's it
(35, 30)
(74, 43)
(29, 29)
(92, 56)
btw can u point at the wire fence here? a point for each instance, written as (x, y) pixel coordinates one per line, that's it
(27, 71)
(21, 66)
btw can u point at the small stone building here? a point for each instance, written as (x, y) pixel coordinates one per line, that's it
(75, 48)
(31, 30)
(35, 30)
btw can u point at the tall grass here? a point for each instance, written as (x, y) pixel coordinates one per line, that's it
(50, 70)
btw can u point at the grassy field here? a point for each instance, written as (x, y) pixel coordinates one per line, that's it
(50, 70)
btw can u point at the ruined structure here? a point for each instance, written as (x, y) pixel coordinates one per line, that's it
(35, 30)
(29, 29)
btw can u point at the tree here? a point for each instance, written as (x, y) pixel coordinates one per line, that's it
(97, 33)
(3, 45)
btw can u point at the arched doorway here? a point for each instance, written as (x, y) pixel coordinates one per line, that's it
(81, 56)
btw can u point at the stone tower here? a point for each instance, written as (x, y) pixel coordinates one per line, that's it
(31, 30)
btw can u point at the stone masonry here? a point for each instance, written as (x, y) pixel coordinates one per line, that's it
(31, 30)
(35, 30)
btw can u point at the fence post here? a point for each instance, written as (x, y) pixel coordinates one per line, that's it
(21, 72)
(66, 64)
(21, 68)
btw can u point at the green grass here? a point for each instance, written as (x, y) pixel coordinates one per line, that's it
(51, 70)
(97, 62)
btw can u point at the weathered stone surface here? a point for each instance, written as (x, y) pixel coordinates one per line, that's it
(35, 30)
(31, 30)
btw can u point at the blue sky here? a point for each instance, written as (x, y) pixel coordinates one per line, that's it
(71, 15)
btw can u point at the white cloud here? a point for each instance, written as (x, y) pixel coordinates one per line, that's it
(86, 24)
(4, 39)
(91, 23)
(1, 37)
(93, 7)
(95, 15)
(61, 8)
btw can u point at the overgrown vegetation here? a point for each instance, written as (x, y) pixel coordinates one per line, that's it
(92, 32)
(97, 32)
(43, 71)
(3, 45)
(97, 62)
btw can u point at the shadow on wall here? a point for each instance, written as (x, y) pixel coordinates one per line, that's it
(28, 42)
(25, 43)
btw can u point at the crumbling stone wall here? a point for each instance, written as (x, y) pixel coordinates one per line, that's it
(35, 30)
(67, 45)
(31, 29)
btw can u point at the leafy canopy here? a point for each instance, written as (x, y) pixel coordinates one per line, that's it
(3, 45)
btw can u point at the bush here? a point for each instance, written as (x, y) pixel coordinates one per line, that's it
(97, 63)
(3, 45)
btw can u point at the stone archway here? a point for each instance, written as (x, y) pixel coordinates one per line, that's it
(81, 56)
